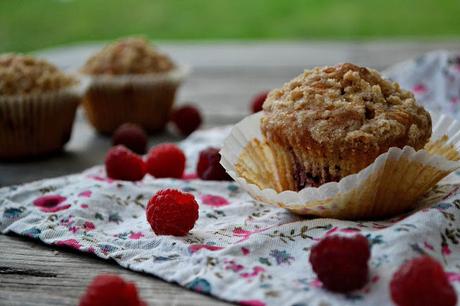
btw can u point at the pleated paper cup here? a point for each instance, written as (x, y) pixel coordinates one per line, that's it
(37, 124)
(391, 185)
(144, 99)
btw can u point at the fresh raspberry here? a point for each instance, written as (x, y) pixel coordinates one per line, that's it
(111, 290)
(172, 212)
(422, 282)
(209, 167)
(166, 160)
(131, 136)
(341, 262)
(258, 101)
(187, 119)
(122, 164)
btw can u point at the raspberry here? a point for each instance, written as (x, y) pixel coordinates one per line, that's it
(111, 290)
(341, 262)
(166, 160)
(122, 164)
(422, 282)
(131, 136)
(209, 167)
(258, 101)
(187, 119)
(172, 212)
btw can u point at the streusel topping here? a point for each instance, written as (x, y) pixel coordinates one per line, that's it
(345, 106)
(128, 56)
(21, 74)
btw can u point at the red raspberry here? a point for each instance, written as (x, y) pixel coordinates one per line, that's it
(187, 119)
(258, 101)
(209, 167)
(131, 136)
(166, 160)
(422, 282)
(122, 164)
(111, 290)
(341, 262)
(172, 212)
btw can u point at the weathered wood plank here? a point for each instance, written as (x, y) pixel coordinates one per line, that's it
(231, 54)
(32, 273)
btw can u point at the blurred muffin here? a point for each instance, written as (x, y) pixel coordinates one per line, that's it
(37, 106)
(130, 82)
(331, 122)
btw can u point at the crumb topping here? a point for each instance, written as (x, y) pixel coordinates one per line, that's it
(22, 74)
(345, 106)
(128, 56)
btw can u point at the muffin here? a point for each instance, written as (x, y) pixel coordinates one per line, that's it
(330, 122)
(131, 81)
(37, 106)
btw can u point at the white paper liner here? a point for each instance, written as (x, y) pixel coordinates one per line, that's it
(174, 76)
(39, 123)
(311, 200)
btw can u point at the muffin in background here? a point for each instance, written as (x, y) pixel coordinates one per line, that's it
(130, 82)
(330, 122)
(37, 106)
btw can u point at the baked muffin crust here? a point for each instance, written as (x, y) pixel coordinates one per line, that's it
(342, 108)
(331, 122)
(21, 74)
(128, 56)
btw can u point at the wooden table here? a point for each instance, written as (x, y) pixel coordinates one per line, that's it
(225, 76)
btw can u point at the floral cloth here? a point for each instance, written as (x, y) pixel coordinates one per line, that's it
(240, 250)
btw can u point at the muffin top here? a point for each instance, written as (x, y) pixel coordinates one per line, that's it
(22, 74)
(345, 107)
(128, 56)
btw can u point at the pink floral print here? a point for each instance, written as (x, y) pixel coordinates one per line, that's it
(252, 303)
(214, 200)
(246, 234)
(136, 235)
(71, 243)
(51, 203)
(196, 247)
(89, 226)
(419, 88)
(85, 194)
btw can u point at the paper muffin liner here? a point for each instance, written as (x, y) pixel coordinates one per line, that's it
(391, 185)
(37, 124)
(144, 99)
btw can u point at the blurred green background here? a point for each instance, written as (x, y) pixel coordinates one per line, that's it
(27, 25)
